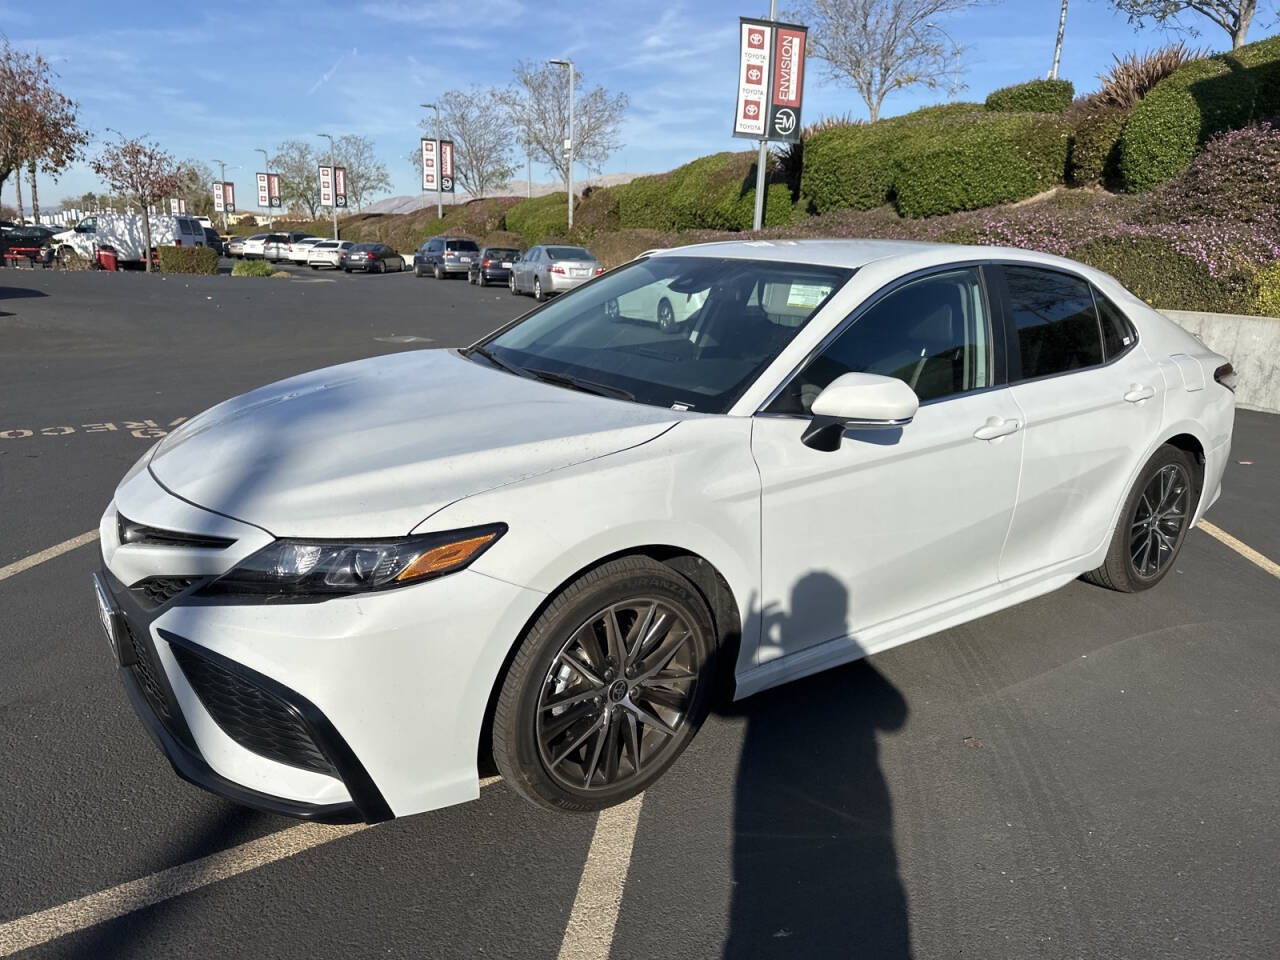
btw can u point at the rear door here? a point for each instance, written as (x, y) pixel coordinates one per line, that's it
(1091, 401)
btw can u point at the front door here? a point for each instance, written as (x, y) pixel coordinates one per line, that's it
(894, 521)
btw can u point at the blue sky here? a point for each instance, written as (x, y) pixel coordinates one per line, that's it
(218, 80)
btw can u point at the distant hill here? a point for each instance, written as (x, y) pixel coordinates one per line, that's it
(516, 188)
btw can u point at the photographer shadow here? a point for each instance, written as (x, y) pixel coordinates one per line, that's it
(814, 866)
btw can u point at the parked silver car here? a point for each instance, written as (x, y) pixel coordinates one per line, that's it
(552, 268)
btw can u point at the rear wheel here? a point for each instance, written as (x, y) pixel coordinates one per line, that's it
(1153, 524)
(607, 689)
(436, 272)
(666, 316)
(537, 289)
(480, 280)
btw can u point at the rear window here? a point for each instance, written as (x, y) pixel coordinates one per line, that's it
(363, 247)
(467, 245)
(568, 253)
(185, 226)
(501, 253)
(327, 245)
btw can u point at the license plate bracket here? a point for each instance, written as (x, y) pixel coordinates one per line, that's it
(113, 624)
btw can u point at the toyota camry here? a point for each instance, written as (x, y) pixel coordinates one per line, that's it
(338, 596)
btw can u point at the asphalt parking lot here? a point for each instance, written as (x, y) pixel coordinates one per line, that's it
(1087, 775)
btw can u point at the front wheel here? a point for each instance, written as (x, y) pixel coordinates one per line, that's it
(607, 688)
(1153, 524)
(537, 290)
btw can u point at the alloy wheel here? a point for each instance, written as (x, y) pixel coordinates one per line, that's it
(1161, 513)
(617, 694)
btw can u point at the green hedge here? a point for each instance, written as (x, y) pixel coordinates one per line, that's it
(252, 268)
(981, 161)
(188, 259)
(1035, 96)
(1095, 145)
(855, 165)
(1265, 299)
(1163, 277)
(1192, 104)
(540, 218)
(710, 193)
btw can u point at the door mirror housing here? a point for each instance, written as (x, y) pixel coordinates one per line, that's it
(859, 401)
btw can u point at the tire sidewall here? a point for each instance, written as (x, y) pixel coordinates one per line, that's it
(549, 634)
(1162, 458)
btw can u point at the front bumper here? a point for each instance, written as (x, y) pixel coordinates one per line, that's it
(389, 688)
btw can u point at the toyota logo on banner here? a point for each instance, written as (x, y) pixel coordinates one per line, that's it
(770, 80)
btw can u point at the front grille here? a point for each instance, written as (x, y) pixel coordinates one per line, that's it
(249, 715)
(144, 670)
(156, 591)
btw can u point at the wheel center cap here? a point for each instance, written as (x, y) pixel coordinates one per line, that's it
(618, 691)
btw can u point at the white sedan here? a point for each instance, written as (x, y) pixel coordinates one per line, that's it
(327, 253)
(329, 596)
(300, 250)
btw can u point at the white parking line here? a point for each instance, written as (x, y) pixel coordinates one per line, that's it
(37, 928)
(1246, 551)
(26, 563)
(589, 933)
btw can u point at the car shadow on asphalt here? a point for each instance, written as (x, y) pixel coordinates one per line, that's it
(815, 871)
(15, 293)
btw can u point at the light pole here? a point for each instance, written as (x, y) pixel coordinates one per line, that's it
(762, 161)
(568, 143)
(439, 186)
(222, 178)
(266, 168)
(955, 59)
(333, 184)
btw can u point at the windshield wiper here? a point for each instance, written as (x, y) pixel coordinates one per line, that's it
(576, 383)
(497, 361)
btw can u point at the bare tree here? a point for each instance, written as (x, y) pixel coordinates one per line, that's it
(38, 124)
(197, 187)
(299, 168)
(141, 172)
(478, 122)
(538, 108)
(1057, 47)
(366, 174)
(1233, 16)
(879, 46)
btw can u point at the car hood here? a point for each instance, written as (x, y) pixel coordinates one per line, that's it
(371, 448)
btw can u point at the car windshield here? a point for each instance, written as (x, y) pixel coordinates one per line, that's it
(689, 332)
(567, 253)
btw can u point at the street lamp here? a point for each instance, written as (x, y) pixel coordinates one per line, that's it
(266, 168)
(568, 143)
(955, 58)
(439, 185)
(332, 184)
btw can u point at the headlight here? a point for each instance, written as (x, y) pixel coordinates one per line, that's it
(300, 569)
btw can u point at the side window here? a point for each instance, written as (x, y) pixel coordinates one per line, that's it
(934, 334)
(184, 226)
(1117, 332)
(1055, 319)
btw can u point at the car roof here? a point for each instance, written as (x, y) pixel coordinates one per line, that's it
(858, 253)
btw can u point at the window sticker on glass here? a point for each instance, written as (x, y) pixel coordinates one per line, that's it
(807, 295)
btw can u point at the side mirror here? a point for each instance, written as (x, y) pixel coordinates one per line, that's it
(860, 401)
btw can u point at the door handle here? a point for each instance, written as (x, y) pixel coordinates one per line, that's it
(1137, 393)
(996, 427)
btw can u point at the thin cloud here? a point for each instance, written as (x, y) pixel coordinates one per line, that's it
(324, 77)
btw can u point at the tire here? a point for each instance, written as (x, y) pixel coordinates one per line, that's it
(314, 266)
(511, 285)
(537, 290)
(1145, 544)
(666, 316)
(436, 272)
(523, 744)
(417, 271)
(346, 269)
(480, 280)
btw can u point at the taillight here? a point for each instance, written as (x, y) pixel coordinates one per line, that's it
(177, 243)
(368, 256)
(599, 270)
(559, 270)
(484, 262)
(1226, 375)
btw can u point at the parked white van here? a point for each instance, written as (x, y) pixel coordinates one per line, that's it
(124, 233)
